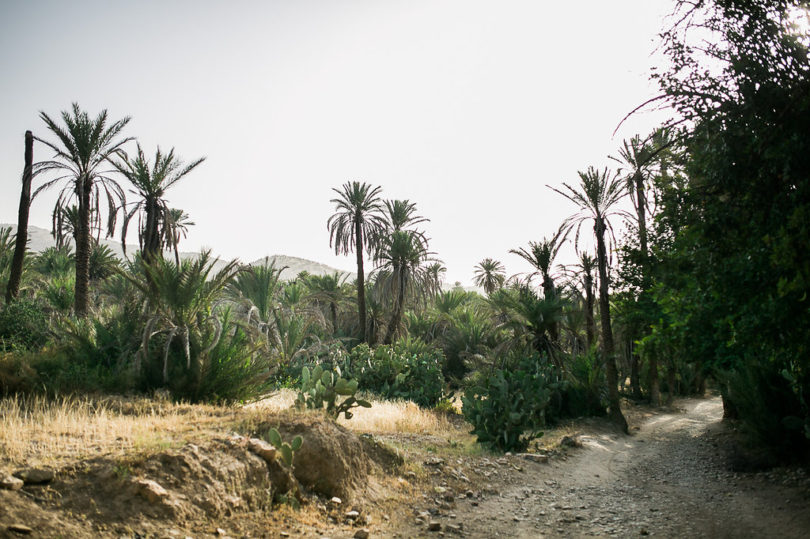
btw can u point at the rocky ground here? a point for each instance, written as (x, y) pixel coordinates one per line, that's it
(670, 478)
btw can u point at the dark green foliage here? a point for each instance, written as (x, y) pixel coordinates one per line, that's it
(287, 450)
(23, 324)
(508, 406)
(585, 393)
(407, 370)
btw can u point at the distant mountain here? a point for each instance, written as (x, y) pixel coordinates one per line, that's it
(40, 239)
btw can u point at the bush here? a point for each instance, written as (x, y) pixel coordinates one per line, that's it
(585, 394)
(396, 372)
(23, 324)
(508, 407)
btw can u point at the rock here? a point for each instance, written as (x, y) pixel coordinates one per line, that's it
(448, 497)
(534, 457)
(9, 482)
(20, 529)
(151, 490)
(362, 533)
(435, 461)
(34, 476)
(352, 515)
(434, 526)
(570, 441)
(263, 449)
(469, 494)
(335, 501)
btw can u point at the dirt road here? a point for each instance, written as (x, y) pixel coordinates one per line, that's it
(669, 479)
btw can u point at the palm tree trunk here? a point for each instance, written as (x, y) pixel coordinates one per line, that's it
(641, 213)
(81, 298)
(21, 242)
(614, 402)
(361, 280)
(399, 303)
(151, 233)
(590, 329)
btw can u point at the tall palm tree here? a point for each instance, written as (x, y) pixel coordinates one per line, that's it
(585, 269)
(21, 238)
(402, 264)
(84, 146)
(175, 227)
(490, 275)
(541, 256)
(399, 214)
(596, 198)
(354, 227)
(151, 181)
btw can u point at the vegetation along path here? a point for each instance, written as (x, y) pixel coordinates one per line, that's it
(671, 478)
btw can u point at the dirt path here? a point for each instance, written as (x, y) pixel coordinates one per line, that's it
(669, 479)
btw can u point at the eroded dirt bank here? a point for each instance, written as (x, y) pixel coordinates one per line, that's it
(669, 479)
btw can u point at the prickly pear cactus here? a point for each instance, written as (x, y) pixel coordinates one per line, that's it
(321, 389)
(287, 450)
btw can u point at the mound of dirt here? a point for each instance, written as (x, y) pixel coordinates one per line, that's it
(332, 461)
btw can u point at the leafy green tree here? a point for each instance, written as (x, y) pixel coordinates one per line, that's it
(156, 222)
(490, 275)
(354, 227)
(597, 198)
(84, 147)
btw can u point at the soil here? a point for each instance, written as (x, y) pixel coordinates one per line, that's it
(671, 478)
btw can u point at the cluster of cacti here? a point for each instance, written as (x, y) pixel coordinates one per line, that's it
(287, 450)
(322, 387)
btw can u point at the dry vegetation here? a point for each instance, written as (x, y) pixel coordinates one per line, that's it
(37, 430)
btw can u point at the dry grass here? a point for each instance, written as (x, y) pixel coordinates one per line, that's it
(40, 431)
(36, 430)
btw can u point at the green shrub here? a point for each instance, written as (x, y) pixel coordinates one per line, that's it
(23, 324)
(585, 394)
(408, 370)
(508, 407)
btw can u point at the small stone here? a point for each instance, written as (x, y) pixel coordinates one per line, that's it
(336, 501)
(220, 531)
(469, 494)
(411, 475)
(21, 529)
(284, 534)
(9, 482)
(448, 497)
(454, 528)
(435, 461)
(352, 515)
(362, 533)
(151, 490)
(434, 526)
(570, 441)
(439, 490)
(644, 531)
(34, 476)
(534, 457)
(263, 449)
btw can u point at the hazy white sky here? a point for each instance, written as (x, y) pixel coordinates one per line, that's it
(467, 107)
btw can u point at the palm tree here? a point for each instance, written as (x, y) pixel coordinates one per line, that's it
(328, 290)
(151, 183)
(490, 275)
(175, 227)
(182, 299)
(399, 214)
(354, 227)
(541, 256)
(21, 238)
(402, 273)
(597, 197)
(85, 145)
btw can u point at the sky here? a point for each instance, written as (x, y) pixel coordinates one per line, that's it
(468, 108)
